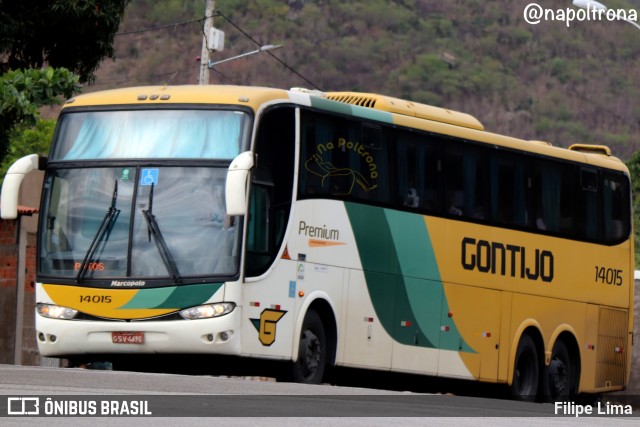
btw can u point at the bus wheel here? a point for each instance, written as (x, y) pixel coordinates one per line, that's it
(558, 378)
(525, 371)
(312, 354)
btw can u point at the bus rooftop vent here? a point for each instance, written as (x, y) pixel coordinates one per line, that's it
(360, 100)
(593, 149)
(406, 108)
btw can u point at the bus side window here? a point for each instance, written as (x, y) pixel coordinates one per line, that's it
(568, 185)
(475, 183)
(258, 225)
(616, 207)
(466, 181)
(418, 165)
(409, 156)
(510, 188)
(343, 158)
(453, 181)
(588, 217)
(258, 257)
(432, 165)
(555, 187)
(548, 197)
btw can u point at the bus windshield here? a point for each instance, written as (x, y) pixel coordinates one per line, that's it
(137, 222)
(132, 134)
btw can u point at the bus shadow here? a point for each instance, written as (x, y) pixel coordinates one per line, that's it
(266, 370)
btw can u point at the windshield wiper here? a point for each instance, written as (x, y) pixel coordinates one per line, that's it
(161, 244)
(105, 227)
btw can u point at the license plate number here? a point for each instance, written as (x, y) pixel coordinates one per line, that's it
(127, 337)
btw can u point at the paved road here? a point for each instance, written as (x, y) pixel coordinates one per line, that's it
(172, 398)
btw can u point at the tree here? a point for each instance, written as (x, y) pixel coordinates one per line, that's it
(634, 172)
(22, 93)
(71, 34)
(27, 139)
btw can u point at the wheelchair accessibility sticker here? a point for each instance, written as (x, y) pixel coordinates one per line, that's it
(149, 177)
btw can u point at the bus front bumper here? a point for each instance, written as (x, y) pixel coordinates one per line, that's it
(219, 335)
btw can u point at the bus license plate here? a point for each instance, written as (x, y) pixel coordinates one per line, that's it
(127, 337)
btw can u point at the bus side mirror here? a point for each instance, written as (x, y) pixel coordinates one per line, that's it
(236, 186)
(12, 181)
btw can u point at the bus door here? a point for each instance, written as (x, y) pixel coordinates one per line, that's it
(268, 303)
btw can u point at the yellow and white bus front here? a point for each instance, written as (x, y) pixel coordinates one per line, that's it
(135, 247)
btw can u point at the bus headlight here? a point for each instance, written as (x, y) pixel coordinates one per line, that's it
(207, 311)
(56, 311)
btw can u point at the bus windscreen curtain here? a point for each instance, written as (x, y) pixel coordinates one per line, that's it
(153, 134)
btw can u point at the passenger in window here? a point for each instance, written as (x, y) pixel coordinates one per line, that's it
(412, 200)
(456, 203)
(540, 224)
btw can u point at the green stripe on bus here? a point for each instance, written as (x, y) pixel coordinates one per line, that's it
(403, 278)
(419, 269)
(370, 113)
(190, 295)
(149, 298)
(351, 110)
(173, 297)
(383, 274)
(328, 105)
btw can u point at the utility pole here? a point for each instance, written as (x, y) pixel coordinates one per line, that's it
(204, 57)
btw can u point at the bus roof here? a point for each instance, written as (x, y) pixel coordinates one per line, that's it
(185, 94)
(393, 110)
(408, 108)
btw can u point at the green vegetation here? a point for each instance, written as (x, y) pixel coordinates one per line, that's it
(70, 34)
(22, 93)
(28, 139)
(634, 170)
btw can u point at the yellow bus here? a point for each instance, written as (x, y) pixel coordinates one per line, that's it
(331, 229)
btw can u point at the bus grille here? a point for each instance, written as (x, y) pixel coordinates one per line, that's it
(611, 348)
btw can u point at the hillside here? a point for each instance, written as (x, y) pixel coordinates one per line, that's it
(553, 82)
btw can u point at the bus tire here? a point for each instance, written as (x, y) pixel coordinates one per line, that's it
(526, 371)
(558, 377)
(312, 352)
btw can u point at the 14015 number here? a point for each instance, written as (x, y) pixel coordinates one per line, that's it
(609, 276)
(96, 299)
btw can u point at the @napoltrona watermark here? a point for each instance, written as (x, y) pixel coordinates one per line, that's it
(534, 14)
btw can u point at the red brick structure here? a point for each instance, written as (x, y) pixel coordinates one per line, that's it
(17, 252)
(17, 277)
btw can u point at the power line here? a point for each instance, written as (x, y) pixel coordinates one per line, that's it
(215, 14)
(176, 24)
(270, 53)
